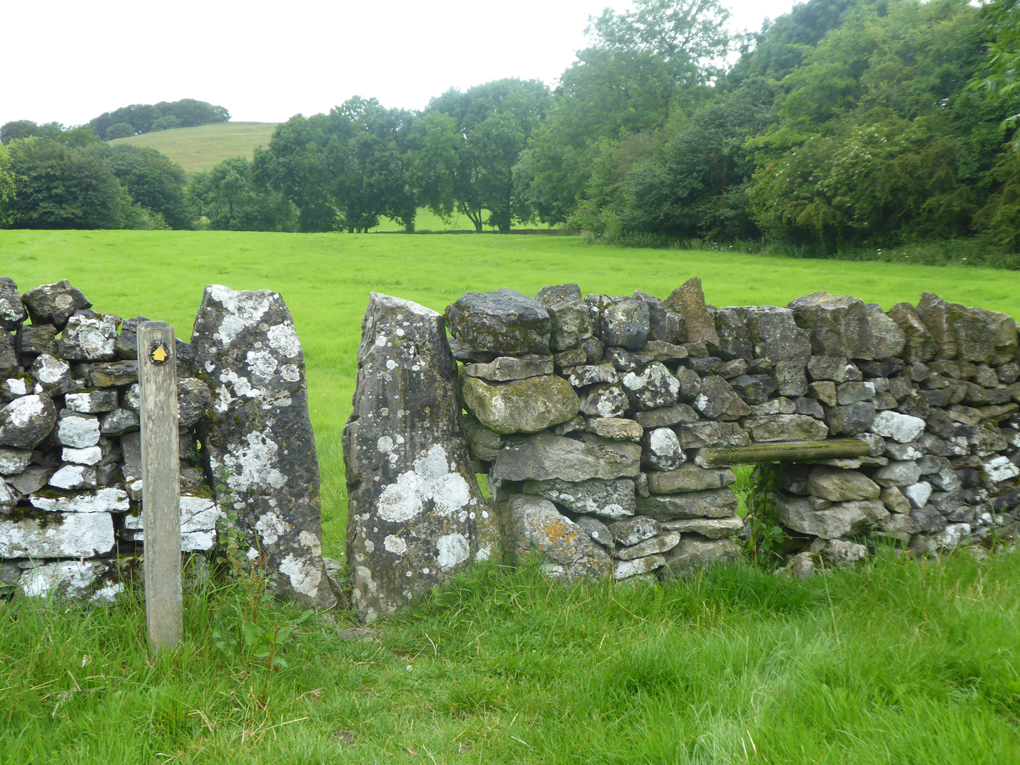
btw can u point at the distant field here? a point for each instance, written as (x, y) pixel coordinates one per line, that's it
(326, 278)
(202, 148)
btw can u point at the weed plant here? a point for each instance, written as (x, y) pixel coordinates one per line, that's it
(898, 662)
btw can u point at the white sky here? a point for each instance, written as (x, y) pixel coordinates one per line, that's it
(70, 61)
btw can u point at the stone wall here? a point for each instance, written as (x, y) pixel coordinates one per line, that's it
(70, 448)
(603, 423)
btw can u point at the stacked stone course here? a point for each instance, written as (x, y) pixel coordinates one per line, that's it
(595, 419)
(70, 446)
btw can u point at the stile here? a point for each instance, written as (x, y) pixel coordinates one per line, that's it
(157, 376)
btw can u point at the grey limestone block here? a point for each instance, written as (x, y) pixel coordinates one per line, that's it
(710, 503)
(416, 516)
(504, 368)
(89, 336)
(612, 499)
(619, 321)
(503, 322)
(257, 440)
(12, 310)
(544, 456)
(838, 326)
(688, 300)
(54, 303)
(568, 314)
(520, 406)
(26, 421)
(535, 526)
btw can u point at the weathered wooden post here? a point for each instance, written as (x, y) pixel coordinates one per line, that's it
(161, 491)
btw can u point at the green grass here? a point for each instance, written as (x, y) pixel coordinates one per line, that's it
(326, 279)
(202, 148)
(901, 662)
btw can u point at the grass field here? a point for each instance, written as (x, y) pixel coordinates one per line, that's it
(202, 148)
(900, 662)
(326, 279)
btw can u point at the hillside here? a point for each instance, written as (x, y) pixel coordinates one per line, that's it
(201, 148)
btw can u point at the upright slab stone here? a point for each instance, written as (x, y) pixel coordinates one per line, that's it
(415, 513)
(258, 439)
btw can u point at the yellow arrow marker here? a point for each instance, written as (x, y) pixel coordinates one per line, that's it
(159, 354)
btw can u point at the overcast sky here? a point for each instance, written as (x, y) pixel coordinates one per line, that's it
(71, 61)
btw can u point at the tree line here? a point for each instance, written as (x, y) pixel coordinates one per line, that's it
(845, 123)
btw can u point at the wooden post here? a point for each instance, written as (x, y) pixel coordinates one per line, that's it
(161, 490)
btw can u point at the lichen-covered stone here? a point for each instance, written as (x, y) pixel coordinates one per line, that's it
(89, 336)
(785, 427)
(118, 422)
(72, 581)
(198, 519)
(503, 322)
(613, 499)
(753, 389)
(619, 321)
(605, 401)
(26, 421)
(592, 374)
(841, 485)
(544, 456)
(695, 553)
(838, 326)
(54, 303)
(888, 339)
(688, 300)
(690, 478)
(506, 368)
(535, 526)
(657, 545)
(633, 530)
(775, 335)
(711, 503)
(415, 513)
(78, 431)
(36, 338)
(568, 314)
(666, 416)
(520, 406)
(8, 354)
(660, 450)
(258, 439)
(838, 520)
(699, 435)
(710, 528)
(718, 401)
(651, 388)
(734, 337)
(92, 402)
(851, 419)
(627, 569)
(112, 374)
(74, 535)
(664, 326)
(12, 311)
(13, 461)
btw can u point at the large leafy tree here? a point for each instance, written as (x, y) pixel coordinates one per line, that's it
(640, 65)
(465, 147)
(152, 179)
(63, 188)
(232, 200)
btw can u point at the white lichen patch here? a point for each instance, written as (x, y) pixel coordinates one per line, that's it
(271, 527)
(253, 465)
(262, 364)
(80, 534)
(395, 545)
(305, 574)
(72, 577)
(21, 411)
(243, 309)
(384, 445)
(430, 480)
(453, 549)
(290, 373)
(93, 455)
(78, 432)
(284, 339)
(74, 477)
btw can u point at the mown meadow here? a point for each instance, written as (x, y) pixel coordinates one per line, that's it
(899, 662)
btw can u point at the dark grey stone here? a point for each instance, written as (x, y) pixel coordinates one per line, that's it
(257, 443)
(670, 415)
(26, 421)
(8, 354)
(734, 337)
(718, 401)
(775, 335)
(606, 498)
(838, 326)
(651, 388)
(710, 503)
(503, 322)
(605, 401)
(850, 420)
(12, 311)
(193, 400)
(754, 389)
(54, 303)
(568, 314)
(544, 456)
(619, 321)
(664, 325)
(36, 338)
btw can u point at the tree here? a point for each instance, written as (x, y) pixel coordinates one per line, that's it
(152, 179)
(1001, 76)
(62, 188)
(119, 130)
(144, 118)
(231, 200)
(7, 187)
(466, 146)
(641, 65)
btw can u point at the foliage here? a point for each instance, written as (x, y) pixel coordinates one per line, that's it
(641, 65)
(1001, 77)
(7, 187)
(232, 200)
(465, 147)
(119, 130)
(58, 187)
(152, 180)
(75, 137)
(765, 547)
(144, 118)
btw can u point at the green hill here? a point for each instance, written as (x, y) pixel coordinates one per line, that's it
(201, 148)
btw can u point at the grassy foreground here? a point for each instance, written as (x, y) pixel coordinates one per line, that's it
(901, 662)
(326, 280)
(202, 148)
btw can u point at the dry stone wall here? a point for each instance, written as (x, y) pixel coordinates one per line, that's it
(70, 447)
(604, 423)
